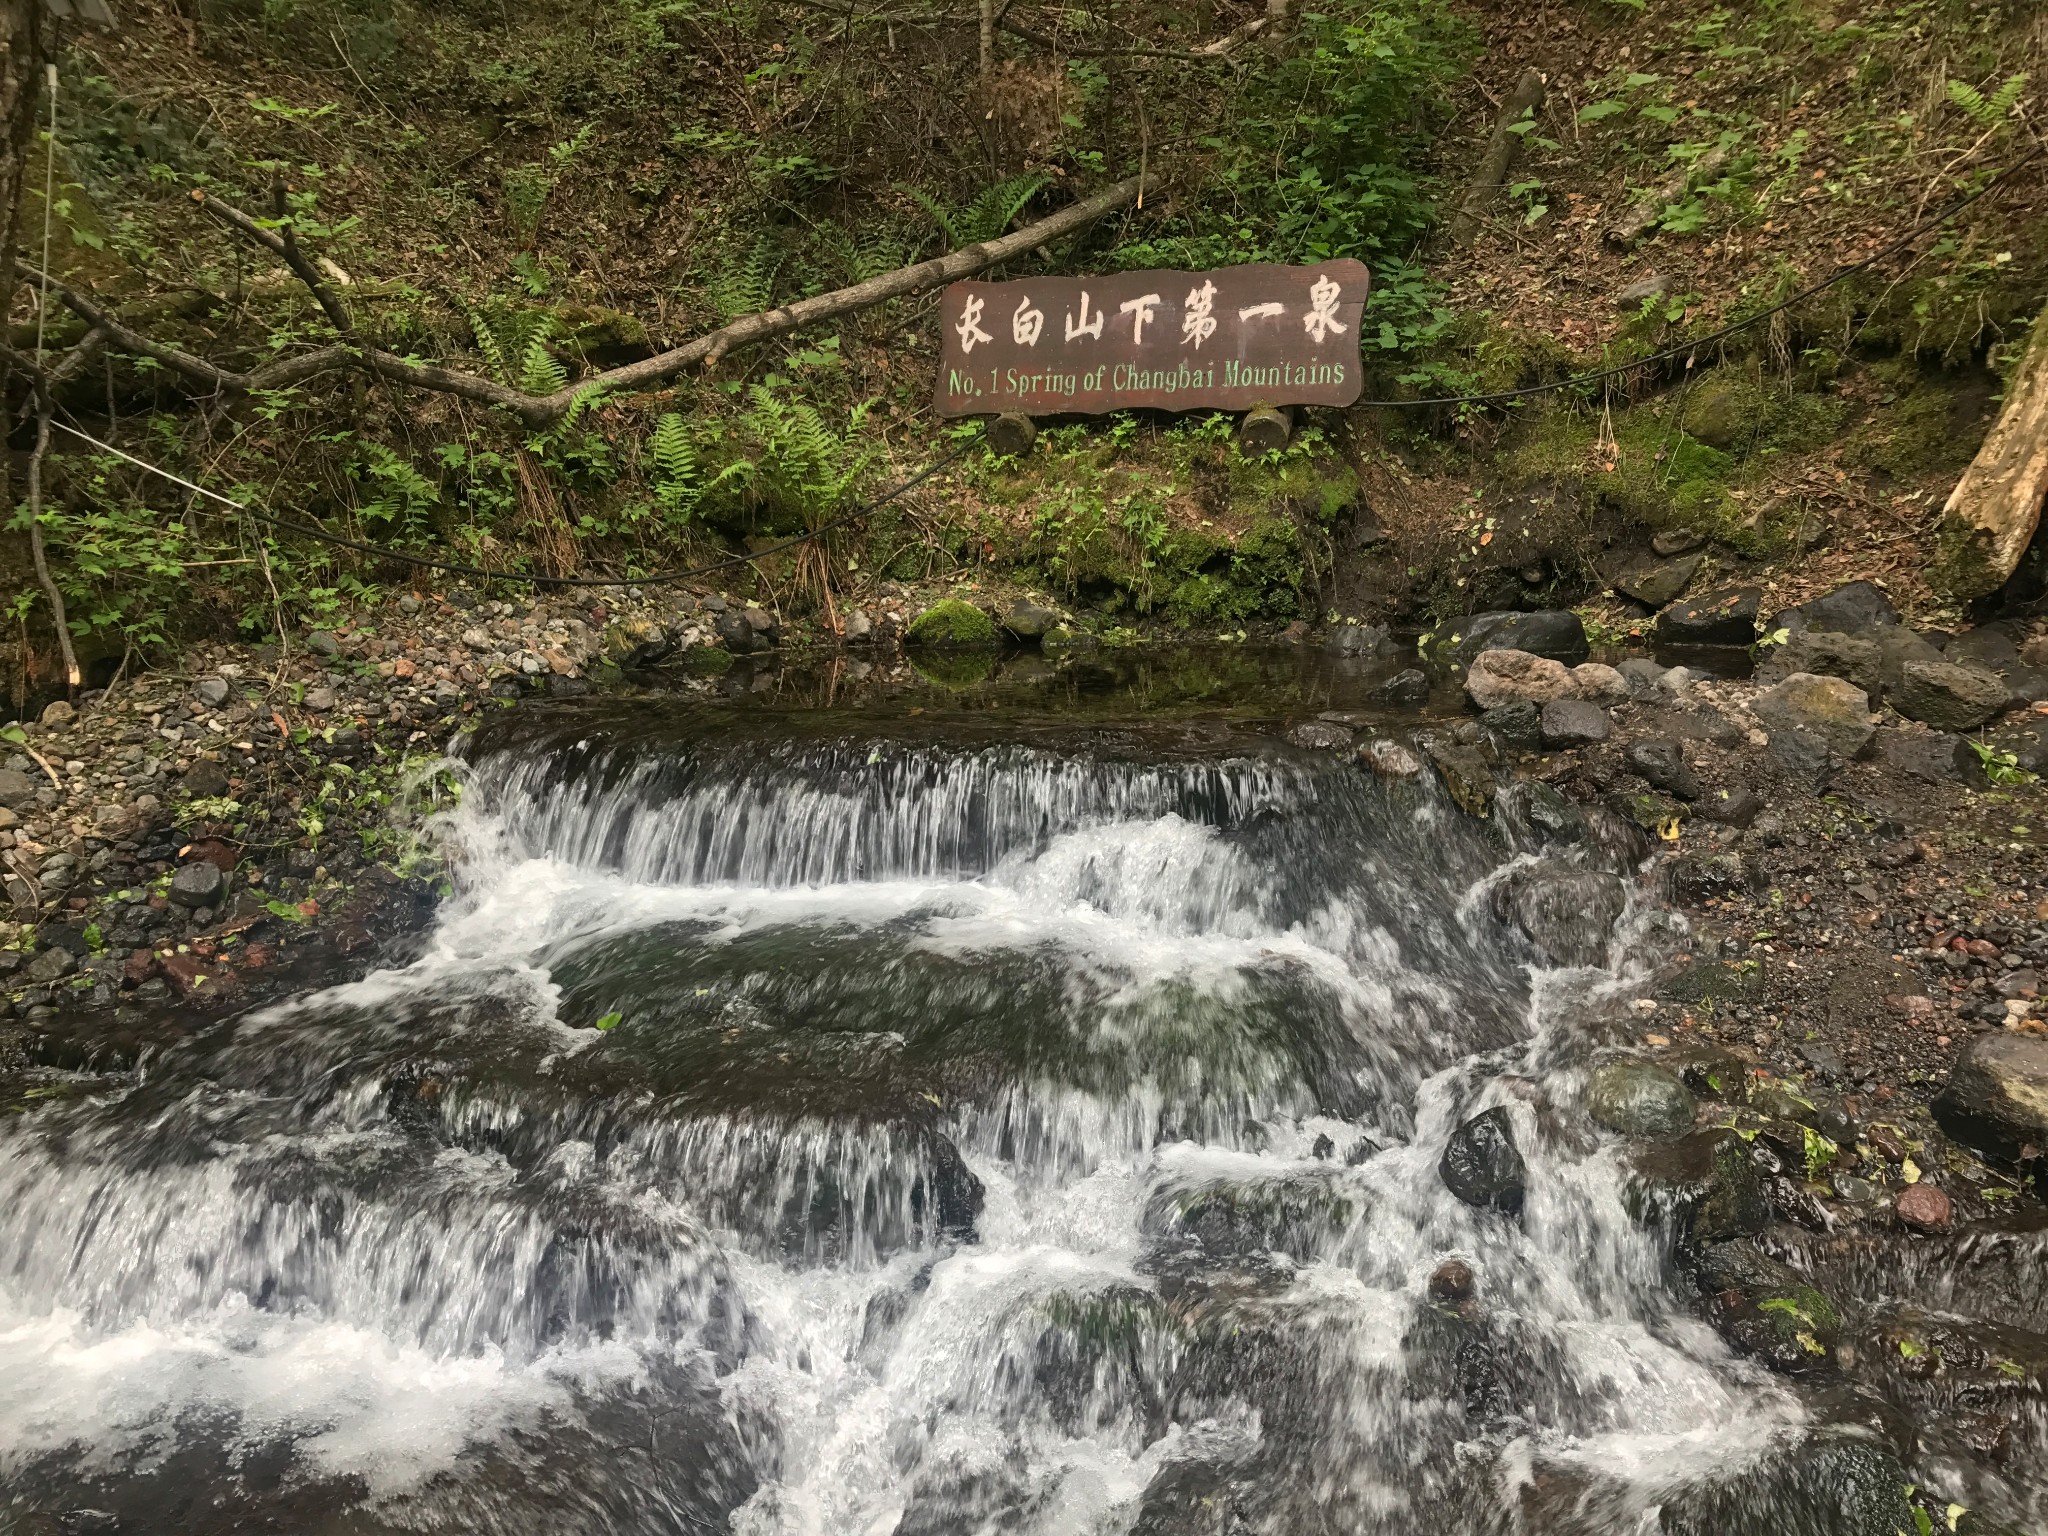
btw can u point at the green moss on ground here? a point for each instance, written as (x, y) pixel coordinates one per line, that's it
(952, 625)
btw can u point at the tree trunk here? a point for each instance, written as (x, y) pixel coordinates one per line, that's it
(1995, 508)
(1501, 150)
(22, 28)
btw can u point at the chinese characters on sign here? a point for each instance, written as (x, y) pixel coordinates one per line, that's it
(1224, 340)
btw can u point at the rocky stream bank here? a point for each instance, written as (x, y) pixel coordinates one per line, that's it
(1837, 1077)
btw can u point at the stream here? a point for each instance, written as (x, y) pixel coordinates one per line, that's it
(917, 1114)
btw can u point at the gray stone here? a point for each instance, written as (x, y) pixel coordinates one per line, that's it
(1465, 773)
(1949, 697)
(859, 627)
(205, 780)
(1642, 676)
(1826, 653)
(322, 643)
(212, 691)
(408, 605)
(1654, 286)
(1574, 723)
(1997, 1095)
(1557, 635)
(1661, 762)
(198, 884)
(1361, 640)
(52, 964)
(1724, 617)
(1657, 582)
(1851, 610)
(1675, 541)
(17, 789)
(1803, 758)
(1830, 708)
(735, 634)
(1028, 620)
(1481, 1164)
(1936, 756)
(322, 698)
(1319, 736)
(1497, 677)
(1898, 645)
(1600, 683)
(1639, 1098)
(1990, 646)
(59, 713)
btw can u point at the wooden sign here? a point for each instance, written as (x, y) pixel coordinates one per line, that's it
(1225, 340)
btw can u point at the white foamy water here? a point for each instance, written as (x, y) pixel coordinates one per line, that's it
(990, 1141)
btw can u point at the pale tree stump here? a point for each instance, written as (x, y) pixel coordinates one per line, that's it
(1991, 515)
(1012, 433)
(1265, 429)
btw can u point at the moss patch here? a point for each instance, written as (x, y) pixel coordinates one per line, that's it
(952, 625)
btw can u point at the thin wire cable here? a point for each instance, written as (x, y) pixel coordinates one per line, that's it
(662, 578)
(459, 568)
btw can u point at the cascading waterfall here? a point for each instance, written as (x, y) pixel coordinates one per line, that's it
(813, 1133)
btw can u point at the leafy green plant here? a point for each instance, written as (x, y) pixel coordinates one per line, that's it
(985, 217)
(2000, 767)
(1993, 111)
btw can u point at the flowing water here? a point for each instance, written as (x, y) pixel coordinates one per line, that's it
(842, 1121)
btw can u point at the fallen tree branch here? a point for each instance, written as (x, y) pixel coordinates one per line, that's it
(1492, 174)
(1636, 221)
(59, 620)
(1222, 47)
(542, 411)
(1991, 516)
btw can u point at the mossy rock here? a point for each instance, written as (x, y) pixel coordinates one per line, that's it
(954, 669)
(952, 625)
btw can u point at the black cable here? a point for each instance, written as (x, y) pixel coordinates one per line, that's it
(663, 578)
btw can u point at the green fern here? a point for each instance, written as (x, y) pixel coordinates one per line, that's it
(987, 217)
(677, 475)
(1988, 111)
(801, 464)
(509, 338)
(540, 373)
(747, 286)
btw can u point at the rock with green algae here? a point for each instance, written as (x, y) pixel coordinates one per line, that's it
(1639, 1098)
(952, 625)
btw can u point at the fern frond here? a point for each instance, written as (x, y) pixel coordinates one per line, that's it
(539, 371)
(1988, 112)
(747, 286)
(990, 215)
(941, 215)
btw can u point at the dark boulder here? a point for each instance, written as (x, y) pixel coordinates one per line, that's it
(1532, 814)
(1767, 1309)
(1406, 689)
(198, 884)
(1828, 653)
(205, 780)
(1557, 635)
(1466, 775)
(1481, 1164)
(1949, 697)
(1726, 617)
(1653, 583)
(1940, 757)
(1518, 727)
(1661, 762)
(735, 634)
(1831, 709)
(1362, 640)
(1705, 1184)
(1823, 1485)
(1848, 610)
(1574, 723)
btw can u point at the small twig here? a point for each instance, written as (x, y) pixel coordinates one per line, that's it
(58, 618)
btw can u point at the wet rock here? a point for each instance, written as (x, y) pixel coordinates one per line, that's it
(1599, 683)
(1706, 1183)
(1028, 620)
(1568, 915)
(635, 640)
(1829, 709)
(48, 965)
(1249, 1219)
(1533, 814)
(1481, 1164)
(1939, 757)
(1713, 1072)
(1652, 814)
(1923, 1208)
(1767, 1309)
(1661, 762)
(1362, 640)
(1639, 1098)
(199, 884)
(1452, 1282)
(205, 780)
(1826, 653)
(1406, 689)
(1725, 617)
(1497, 677)
(1466, 776)
(1389, 759)
(1850, 610)
(1996, 1100)
(1557, 635)
(1571, 723)
(1949, 697)
(1829, 1485)
(1319, 736)
(1655, 583)
(1517, 727)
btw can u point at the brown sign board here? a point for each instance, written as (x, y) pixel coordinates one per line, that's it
(1225, 340)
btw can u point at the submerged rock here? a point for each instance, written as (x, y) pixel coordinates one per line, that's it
(1532, 814)
(1767, 1309)
(1389, 759)
(1481, 1164)
(1705, 1182)
(1639, 1098)
(1821, 1486)
(1567, 914)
